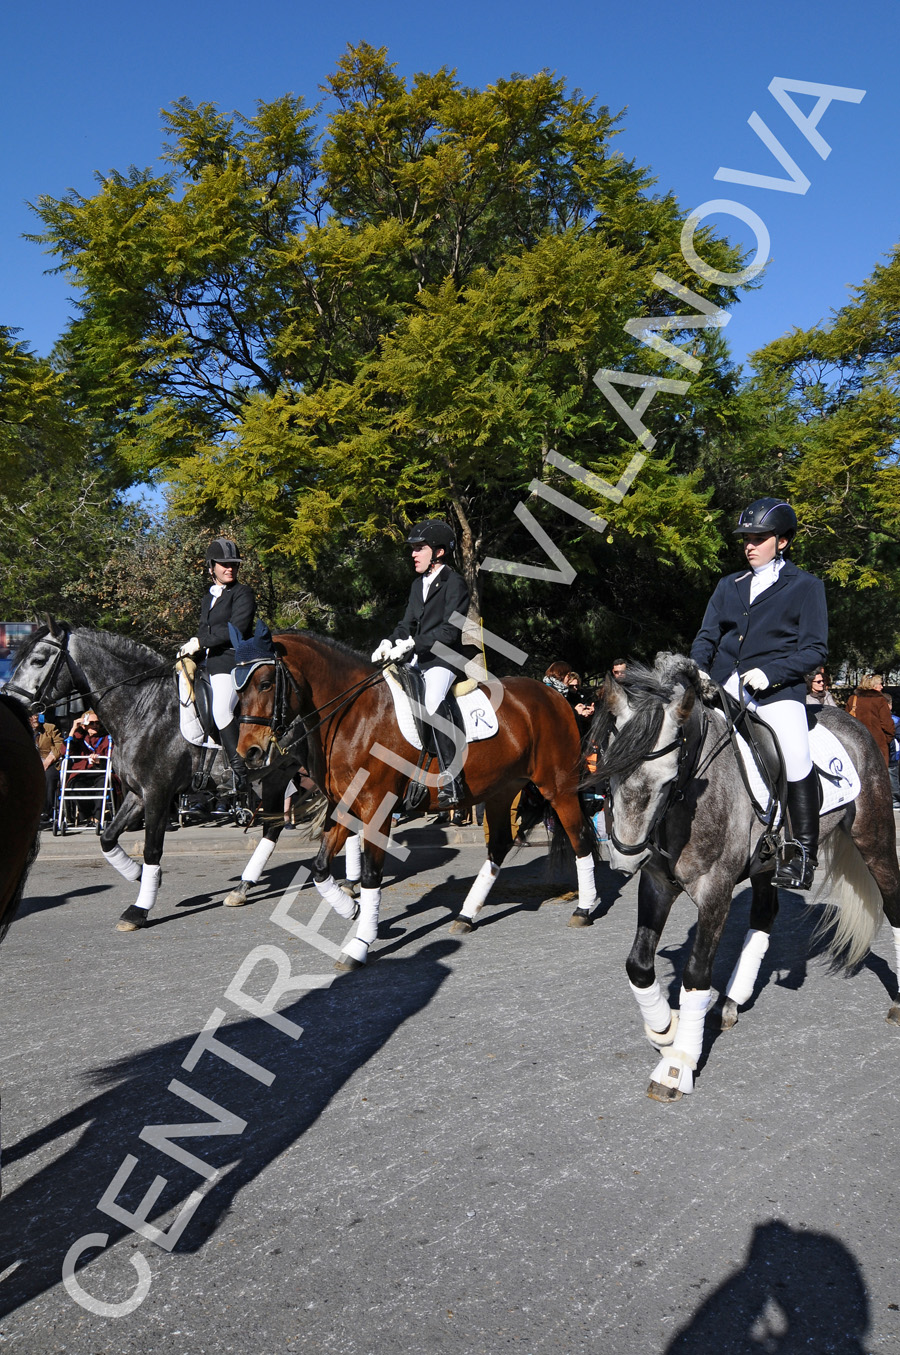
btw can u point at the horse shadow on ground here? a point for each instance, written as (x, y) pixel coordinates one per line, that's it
(40, 903)
(344, 1026)
(797, 1291)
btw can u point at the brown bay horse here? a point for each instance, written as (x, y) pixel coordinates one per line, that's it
(329, 708)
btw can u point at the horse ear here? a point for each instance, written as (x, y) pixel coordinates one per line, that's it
(685, 705)
(614, 696)
(52, 627)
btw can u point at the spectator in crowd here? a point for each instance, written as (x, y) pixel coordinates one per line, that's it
(817, 693)
(872, 708)
(582, 702)
(619, 669)
(49, 743)
(894, 756)
(88, 750)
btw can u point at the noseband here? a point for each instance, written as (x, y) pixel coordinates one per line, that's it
(281, 722)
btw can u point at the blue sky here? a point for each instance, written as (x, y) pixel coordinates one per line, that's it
(83, 86)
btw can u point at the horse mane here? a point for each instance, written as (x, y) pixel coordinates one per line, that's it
(121, 645)
(337, 645)
(649, 691)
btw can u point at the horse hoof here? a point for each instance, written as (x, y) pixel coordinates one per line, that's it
(462, 926)
(132, 920)
(893, 1015)
(581, 918)
(658, 1092)
(350, 887)
(236, 899)
(345, 964)
(725, 1013)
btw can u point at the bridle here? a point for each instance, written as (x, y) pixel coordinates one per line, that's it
(288, 730)
(688, 758)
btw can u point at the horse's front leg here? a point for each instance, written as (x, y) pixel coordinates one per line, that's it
(129, 811)
(341, 901)
(356, 951)
(656, 895)
(739, 988)
(673, 1076)
(156, 816)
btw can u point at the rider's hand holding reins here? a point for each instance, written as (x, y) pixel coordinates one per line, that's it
(401, 649)
(755, 678)
(382, 652)
(191, 646)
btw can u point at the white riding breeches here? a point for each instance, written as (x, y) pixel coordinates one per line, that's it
(788, 721)
(224, 699)
(438, 681)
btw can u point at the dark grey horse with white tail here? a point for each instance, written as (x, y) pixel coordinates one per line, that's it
(132, 688)
(683, 816)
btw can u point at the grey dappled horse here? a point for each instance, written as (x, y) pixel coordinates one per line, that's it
(133, 690)
(681, 810)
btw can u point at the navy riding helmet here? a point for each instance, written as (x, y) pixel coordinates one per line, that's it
(767, 515)
(222, 551)
(434, 533)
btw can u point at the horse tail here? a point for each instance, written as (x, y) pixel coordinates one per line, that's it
(15, 898)
(853, 908)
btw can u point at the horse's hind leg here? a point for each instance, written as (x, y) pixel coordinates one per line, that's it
(739, 988)
(496, 813)
(874, 836)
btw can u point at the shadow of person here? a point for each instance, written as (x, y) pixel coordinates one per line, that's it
(797, 1291)
(344, 1026)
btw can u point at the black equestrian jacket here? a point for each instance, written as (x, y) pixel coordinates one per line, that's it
(237, 605)
(784, 631)
(427, 621)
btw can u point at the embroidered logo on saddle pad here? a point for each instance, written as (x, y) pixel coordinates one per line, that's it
(479, 717)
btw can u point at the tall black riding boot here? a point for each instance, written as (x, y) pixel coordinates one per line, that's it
(229, 737)
(450, 787)
(796, 868)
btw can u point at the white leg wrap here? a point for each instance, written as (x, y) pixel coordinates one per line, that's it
(676, 1068)
(587, 889)
(150, 878)
(481, 887)
(340, 902)
(357, 948)
(896, 932)
(353, 859)
(257, 863)
(126, 865)
(659, 1024)
(743, 978)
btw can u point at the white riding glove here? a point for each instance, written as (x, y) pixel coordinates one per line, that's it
(401, 649)
(382, 652)
(756, 679)
(191, 646)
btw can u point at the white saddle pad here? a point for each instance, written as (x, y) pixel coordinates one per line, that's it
(829, 755)
(188, 719)
(479, 717)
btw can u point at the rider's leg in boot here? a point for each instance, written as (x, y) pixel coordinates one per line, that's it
(803, 817)
(229, 737)
(450, 789)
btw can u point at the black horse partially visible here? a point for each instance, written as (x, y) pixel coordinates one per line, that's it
(133, 690)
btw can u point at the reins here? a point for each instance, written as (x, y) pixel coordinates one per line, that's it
(37, 701)
(286, 740)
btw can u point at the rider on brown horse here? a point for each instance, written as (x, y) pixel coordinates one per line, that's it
(437, 592)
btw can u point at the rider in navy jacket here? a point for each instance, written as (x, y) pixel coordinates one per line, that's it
(784, 631)
(436, 593)
(764, 629)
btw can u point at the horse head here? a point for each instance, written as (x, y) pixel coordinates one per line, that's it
(43, 673)
(642, 729)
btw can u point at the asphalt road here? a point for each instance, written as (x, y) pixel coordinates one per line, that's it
(456, 1154)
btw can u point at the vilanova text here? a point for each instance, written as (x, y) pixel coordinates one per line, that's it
(646, 330)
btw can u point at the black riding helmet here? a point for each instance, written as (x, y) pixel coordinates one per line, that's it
(434, 533)
(222, 551)
(767, 515)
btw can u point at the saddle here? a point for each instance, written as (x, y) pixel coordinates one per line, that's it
(195, 703)
(412, 683)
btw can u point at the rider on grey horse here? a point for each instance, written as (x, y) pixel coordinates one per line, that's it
(766, 627)
(226, 601)
(437, 592)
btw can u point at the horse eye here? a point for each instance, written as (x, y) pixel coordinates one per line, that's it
(266, 686)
